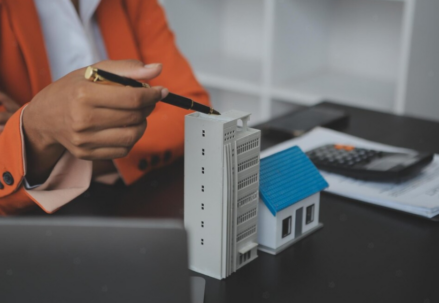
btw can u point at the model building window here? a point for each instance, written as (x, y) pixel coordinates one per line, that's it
(244, 257)
(286, 226)
(310, 214)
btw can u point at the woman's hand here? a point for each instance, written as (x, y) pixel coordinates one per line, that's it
(93, 121)
(10, 106)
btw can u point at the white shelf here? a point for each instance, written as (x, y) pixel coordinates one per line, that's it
(224, 100)
(346, 51)
(230, 73)
(222, 44)
(338, 87)
(254, 54)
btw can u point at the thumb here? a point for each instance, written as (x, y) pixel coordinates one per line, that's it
(10, 105)
(131, 68)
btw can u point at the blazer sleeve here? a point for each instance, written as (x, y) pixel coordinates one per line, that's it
(163, 141)
(69, 178)
(13, 198)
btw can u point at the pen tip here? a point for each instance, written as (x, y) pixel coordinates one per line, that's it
(214, 112)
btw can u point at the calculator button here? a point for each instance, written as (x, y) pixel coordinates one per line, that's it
(344, 147)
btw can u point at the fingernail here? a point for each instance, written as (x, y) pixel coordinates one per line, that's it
(152, 65)
(164, 92)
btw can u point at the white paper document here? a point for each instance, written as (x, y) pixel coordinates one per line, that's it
(419, 195)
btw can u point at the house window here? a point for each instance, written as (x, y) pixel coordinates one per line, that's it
(286, 226)
(310, 214)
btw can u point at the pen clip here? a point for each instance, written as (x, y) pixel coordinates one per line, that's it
(92, 74)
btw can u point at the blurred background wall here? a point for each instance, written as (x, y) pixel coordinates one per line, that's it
(268, 56)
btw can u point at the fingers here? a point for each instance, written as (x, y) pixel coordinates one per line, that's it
(131, 69)
(106, 153)
(92, 145)
(4, 117)
(10, 105)
(103, 118)
(119, 97)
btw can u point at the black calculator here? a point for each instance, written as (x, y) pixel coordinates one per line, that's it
(368, 164)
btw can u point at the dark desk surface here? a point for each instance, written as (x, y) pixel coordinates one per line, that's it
(363, 253)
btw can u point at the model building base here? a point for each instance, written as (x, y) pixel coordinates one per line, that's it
(275, 251)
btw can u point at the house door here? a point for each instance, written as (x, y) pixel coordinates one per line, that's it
(298, 224)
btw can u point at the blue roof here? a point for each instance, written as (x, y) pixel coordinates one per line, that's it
(288, 177)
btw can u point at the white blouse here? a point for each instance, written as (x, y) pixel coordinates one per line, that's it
(72, 41)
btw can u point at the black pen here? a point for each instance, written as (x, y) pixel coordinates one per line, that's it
(98, 75)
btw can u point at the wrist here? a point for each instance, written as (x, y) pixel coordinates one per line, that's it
(42, 152)
(35, 135)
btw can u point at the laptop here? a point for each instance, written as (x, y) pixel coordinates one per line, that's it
(93, 260)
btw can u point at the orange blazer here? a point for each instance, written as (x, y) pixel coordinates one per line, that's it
(132, 29)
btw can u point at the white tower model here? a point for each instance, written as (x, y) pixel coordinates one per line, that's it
(221, 192)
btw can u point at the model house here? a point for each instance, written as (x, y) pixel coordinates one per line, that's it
(221, 192)
(290, 188)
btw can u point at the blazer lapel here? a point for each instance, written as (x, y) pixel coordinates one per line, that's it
(116, 30)
(26, 25)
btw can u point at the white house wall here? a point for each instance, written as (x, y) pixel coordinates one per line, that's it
(291, 211)
(267, 226)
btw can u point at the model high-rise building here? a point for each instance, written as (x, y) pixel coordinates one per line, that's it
(221, 192)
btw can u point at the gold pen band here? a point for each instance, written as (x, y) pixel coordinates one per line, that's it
(92, 74)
